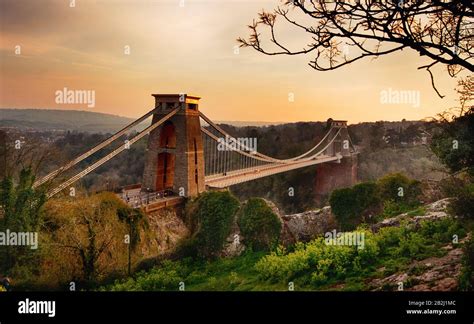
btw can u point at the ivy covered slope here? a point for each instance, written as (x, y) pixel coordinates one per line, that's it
(389, 255)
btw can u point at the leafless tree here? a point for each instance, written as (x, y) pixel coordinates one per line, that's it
(343, 32)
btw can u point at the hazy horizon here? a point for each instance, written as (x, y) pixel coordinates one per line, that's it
(234, 122)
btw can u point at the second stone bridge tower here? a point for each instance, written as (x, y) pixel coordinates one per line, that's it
(339, 174)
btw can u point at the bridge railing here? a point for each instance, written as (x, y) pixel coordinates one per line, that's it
(145, 198)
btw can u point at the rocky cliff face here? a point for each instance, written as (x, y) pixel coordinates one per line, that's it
(233, 246)
(431, 274)
(166, 229)
(304, 227)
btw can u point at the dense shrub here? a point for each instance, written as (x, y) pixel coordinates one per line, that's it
(454, 144)
(350, 205)
(462, 192)
(342, 202)
(389, 196)
(197, 275)
(210, 217)
(86, 238)
(321, 260)
(463, 204)
(442, 230)
(166, 277)
(259, 225)
(413, 245)
(399, 188)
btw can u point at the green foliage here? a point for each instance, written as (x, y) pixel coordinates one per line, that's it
(321, 260)
(392, 194)
(454, 144)
(393, 208)
(259, 225)
(391, 247)
(376, 132)
(85, 236)
(462, 192)
(350, 204)
(135, 219)
(399, 194)
(442, 230)
(417, 162)
(413, 245)
(419, 211)
(341, 201)
(21, 207)
(166, 277)
(314, 265)
(399, 188)
(270, 187)
(198, 275)
(366, 195)
(466, 279)
(418, 243)
(211, 216)
(21, 203)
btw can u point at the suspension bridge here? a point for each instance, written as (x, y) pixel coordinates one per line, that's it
(187, 153)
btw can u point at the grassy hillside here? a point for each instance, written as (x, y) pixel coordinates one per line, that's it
(49, 119)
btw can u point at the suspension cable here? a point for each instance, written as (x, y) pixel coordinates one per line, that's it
(93, 150)
(112, 154)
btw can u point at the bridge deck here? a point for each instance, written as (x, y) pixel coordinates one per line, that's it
(244, 175)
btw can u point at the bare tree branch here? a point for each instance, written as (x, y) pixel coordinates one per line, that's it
(442, 31)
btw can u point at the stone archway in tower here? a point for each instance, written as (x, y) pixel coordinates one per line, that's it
(168, 135)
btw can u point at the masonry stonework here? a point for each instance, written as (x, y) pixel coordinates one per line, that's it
(334, 175)
(175, 158)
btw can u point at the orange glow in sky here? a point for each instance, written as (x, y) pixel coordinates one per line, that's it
(126, 50)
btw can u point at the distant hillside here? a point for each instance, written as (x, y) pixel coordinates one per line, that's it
(247, 123)
(77, 120)
(52, 119)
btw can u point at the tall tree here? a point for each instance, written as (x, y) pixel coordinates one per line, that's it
(453, 142)
(20, 211)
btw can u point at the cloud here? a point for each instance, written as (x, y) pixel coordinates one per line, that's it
(33, 17)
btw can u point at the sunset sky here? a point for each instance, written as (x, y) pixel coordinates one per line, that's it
(190, 49)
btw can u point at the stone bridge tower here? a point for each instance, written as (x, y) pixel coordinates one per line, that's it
(174, 158)
(341, 173)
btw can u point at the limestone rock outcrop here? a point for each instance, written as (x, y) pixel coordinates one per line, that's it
(305, 226)
(434, 211)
